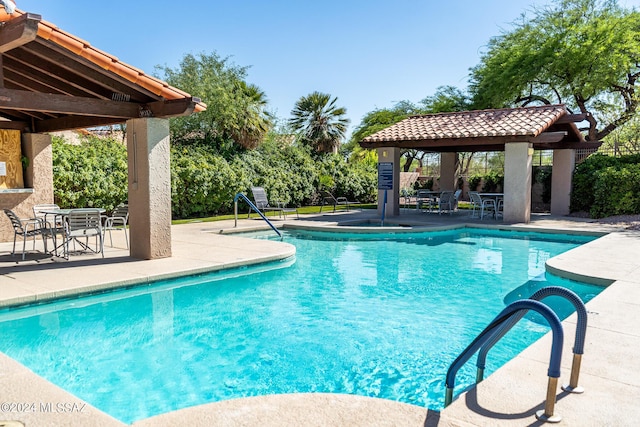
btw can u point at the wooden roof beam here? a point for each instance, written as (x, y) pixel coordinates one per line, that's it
(572, 118)
(72, 122)
(567, 145)
(19, 31)
(173, 108)
(156, 109)
(62, 104)
(546, 137)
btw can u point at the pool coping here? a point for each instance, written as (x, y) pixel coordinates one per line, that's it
(351, 410)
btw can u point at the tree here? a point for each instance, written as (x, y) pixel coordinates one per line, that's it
(446, 99)
(382, 118)
(319, 121)
(583, 53)
(379, 119)
(236, 111)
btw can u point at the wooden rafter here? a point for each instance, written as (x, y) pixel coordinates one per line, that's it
(81, 67)
(19, 32)
(56, 73)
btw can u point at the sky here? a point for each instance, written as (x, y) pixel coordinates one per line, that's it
(369, 54)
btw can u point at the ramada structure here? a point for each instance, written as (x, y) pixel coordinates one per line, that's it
(51, 81)
(516, 131)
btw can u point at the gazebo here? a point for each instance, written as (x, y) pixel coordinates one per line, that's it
(516, 131)
(51, 81)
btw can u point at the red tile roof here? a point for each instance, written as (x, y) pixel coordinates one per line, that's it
(508, 122)
(50, 32)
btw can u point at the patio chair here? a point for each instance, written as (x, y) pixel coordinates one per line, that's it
(329, 199)
(482, 204)
(56, 225)
(500, 208)
(456, 197)
(26, 228)
(118, 221)
(446, 202)
(426, 198)
(262, 203)
(84, 223)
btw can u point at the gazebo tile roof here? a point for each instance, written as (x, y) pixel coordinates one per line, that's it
(52, 33)
(525, 121)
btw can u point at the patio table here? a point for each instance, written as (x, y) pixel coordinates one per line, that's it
(498, 197)
(62, 214)
(429, 196)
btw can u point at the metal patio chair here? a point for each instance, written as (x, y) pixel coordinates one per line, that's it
(483, 205)
(118, 220)
(446, 202)
(27, 228)
(54, 222)
(82, 224)
(262, 203)
(329, 199)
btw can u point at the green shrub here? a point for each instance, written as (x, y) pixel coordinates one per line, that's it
(355, 181)
(423, 185)
(492, 183)
(202, 183)
(474, 181)
(616, 191)
(288, 174)
(91, 174)
(542, 175)
(585, 182)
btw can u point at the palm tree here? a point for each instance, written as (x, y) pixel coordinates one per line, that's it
(321, 124)
(253, 121)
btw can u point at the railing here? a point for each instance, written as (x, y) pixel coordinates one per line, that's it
(251, 206)
(578, 346)
(494, 328)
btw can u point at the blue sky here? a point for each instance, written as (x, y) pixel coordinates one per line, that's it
(368, 53)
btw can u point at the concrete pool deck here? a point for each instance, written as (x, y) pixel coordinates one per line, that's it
(610, 368)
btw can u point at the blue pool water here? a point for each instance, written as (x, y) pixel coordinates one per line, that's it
(374, 315)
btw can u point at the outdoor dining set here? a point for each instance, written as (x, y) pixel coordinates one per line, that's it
(482, 204)
(70, 230)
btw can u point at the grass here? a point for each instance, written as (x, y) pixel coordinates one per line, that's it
(301, 210)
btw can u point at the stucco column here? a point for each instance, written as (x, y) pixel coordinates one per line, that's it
(390, 155)
(149, 188)
(447, 171)
(564, 161)
(517, 181)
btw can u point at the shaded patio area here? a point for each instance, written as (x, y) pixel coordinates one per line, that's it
(516, 131)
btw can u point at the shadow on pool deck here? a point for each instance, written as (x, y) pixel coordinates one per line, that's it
(510, 396)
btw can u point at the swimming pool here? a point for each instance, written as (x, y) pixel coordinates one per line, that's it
(377, 315)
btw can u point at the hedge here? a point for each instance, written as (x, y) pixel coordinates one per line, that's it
(90, 174)
(94, 173)
(606, 186)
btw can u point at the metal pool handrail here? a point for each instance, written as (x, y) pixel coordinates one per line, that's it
(554, 363)
(251, 206)
(578, 346)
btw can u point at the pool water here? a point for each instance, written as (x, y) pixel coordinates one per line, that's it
(374, 315)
